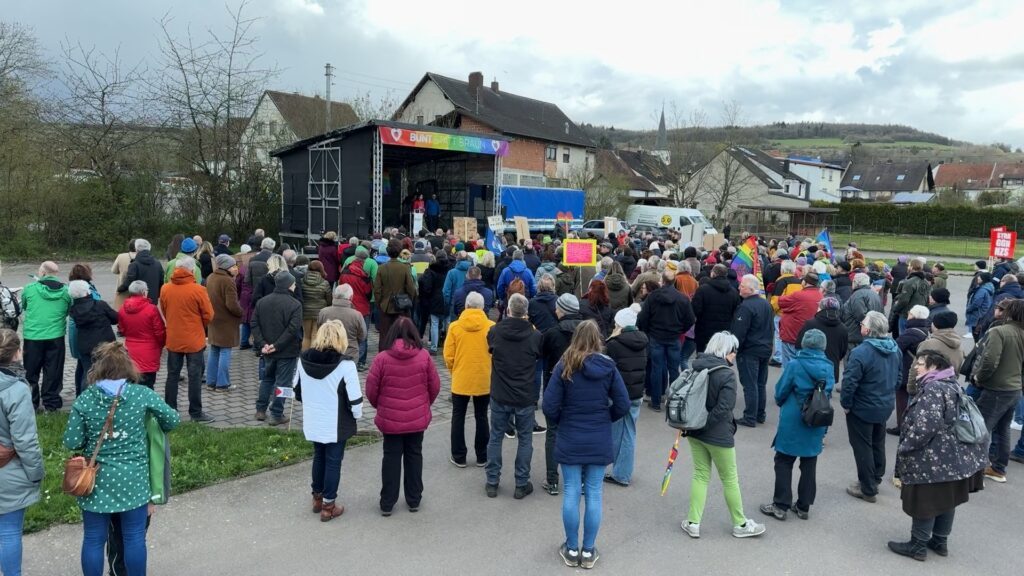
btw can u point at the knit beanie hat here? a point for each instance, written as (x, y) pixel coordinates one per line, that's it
(945, 319)
(188, 246)
(568, 304)
(625, 318)
(224, 261)
(284, 279)
(814, 339)
(940, 295)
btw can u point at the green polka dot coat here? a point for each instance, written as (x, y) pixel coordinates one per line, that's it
(122, 482)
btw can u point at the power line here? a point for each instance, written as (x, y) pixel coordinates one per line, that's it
(352, 73)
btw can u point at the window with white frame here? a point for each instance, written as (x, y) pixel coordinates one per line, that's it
(551, 153)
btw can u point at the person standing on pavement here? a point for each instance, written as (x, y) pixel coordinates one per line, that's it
(979, 300)
(144, 332)
(355, 275)
(45, 304)
(327, 384)
(467, 356)
(146, 268)
(22, 476)
(394, 289)
(911, 292)
(827, 320)
(797, 308)
(402, 385)
(585, 395)
(553, 345)
(327, 255)
(627, 346)
(714, 305)
(997, 373)
(187, 310)
(793, 437)
(342, 310)
(433, 311)
(787, 283)
(937, 470)
(665, 316)
(316, 295)
(515, 349)
(911, 336)
(754, 328)
(120, 269)
(223, 329)
(862, 300)
(714, 444)
(223, 246)
(277, 334)
(868, 397)
(93, 320)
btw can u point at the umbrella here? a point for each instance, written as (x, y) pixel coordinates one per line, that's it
(672, 454)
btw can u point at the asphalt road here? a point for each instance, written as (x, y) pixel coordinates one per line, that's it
(261, 525)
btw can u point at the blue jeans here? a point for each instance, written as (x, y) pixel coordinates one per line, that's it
(524, 420)
(1018, 414)
(902, 323)
(777, 354)
(664, 363)
(624, 443)
(10, 542)
(246, 333)
(574, 476)
(362, 343)
(788, 353)
(81, 371)
(688, 348)
(436, 322)
(133, 530)
(277, 374)
(218, 367)
(327, 469)
(754, 379)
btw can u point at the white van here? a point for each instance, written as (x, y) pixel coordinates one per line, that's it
(691, 224)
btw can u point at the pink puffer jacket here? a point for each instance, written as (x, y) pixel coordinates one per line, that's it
(402, 384)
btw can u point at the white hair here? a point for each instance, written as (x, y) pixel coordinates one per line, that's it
(138, 288)
(290, 256)
(861, 279)
(518, 306)
(722, 344)
(353, 241)
(142, 244)
(788, 267)
(78, 289)
(918, 312)
(877, 323)
(48, 268)
(683, 266)
(475, 300)
(244, 249)
(186, 262)
(343, 292)
(268, 244)
(751, 281)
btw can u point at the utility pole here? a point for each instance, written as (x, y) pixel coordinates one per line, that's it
(328, 73)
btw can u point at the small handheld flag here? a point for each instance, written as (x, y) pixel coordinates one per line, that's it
(825, 238)
(284, 392)
(747, 260)
(672, 454)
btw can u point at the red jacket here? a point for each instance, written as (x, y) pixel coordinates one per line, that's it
(797, 308)
(402, 384)
(362, 287)
(144, 333)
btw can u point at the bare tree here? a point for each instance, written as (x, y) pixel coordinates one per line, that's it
(208, 86)
(367, 107)
(722, 183)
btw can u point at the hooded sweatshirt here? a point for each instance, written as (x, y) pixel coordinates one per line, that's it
(870, 378)
(93, 320)
(946, 342)
(629, 351)
(45, 304)
(714, 305)
(619, 292)
(187, 310)
(466, 353)
(836, 336)
(331, 399)
(144, 332)
(454, 280)
(514, 346)
(517, 269)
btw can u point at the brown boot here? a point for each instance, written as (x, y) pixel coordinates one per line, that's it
(318, 502)
(331, 511)
(261, 415)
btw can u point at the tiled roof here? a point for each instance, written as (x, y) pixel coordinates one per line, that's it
(887, 176)
(964, 176)
(609, 164)
(305, 114)
(647, 165)
(1008, 170)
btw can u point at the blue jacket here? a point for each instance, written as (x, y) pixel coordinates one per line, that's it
(516, 269)
(794, 387)
(459, 300)
(870, 378)
(980, 302)
(454, 280)
(584, 409)
(754, 327)
(432, 207)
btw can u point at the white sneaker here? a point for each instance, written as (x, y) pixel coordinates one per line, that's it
(1016, 425)
(748, 530)
(693, 530)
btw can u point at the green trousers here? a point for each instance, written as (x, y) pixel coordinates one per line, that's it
(724, 460)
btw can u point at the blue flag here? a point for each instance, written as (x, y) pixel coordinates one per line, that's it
(492, 242)
(825, 238)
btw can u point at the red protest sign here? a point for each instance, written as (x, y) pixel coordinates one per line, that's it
(1002, 242)
(579, 253)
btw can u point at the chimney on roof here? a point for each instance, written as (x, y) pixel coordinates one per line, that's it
(494, 85)
(476, 80)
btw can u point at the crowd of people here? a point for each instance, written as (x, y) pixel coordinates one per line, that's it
(521, 333)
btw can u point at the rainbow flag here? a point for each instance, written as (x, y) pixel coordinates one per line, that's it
(747, 260)
(672, 455)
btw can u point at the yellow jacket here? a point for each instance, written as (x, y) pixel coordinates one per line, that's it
(466, 353)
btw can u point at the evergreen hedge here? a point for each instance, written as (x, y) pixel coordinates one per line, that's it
(933, 220)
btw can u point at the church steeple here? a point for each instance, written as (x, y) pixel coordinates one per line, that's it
(662, 142)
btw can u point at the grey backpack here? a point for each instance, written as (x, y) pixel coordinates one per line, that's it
(686, 407)
(969, 427)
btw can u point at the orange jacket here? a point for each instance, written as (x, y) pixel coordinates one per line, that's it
(187, 310)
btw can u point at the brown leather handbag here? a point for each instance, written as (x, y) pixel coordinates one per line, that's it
(79, 473)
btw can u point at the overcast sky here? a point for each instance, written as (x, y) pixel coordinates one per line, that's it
(946, 66)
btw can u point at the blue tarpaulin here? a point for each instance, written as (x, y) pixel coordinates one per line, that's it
(542, 205)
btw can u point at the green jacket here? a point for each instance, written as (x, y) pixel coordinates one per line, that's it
(316, 295)
(913, 291)
(45, 304)
(999, 367)
(172, 263)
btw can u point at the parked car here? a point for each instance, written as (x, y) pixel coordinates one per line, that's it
(596, 227)
(659, 232)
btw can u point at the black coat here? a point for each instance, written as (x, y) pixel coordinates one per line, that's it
(600, 314)
(431, 289)
(666, 314)
(266, 287)
(515, 348)
(629, 350)
(532, 261)
(205, 265)
(754, 327)
(720, 426)
(844, 287)
(628, 264)
(714, 305)
(916, 332)
(147, 269)
(93, 321)
(899, 273)
(556, 342)
(277, 320)
(836, 337)
(542, 311)
(487, 275)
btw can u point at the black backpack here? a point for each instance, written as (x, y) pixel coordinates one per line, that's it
(817, 409)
